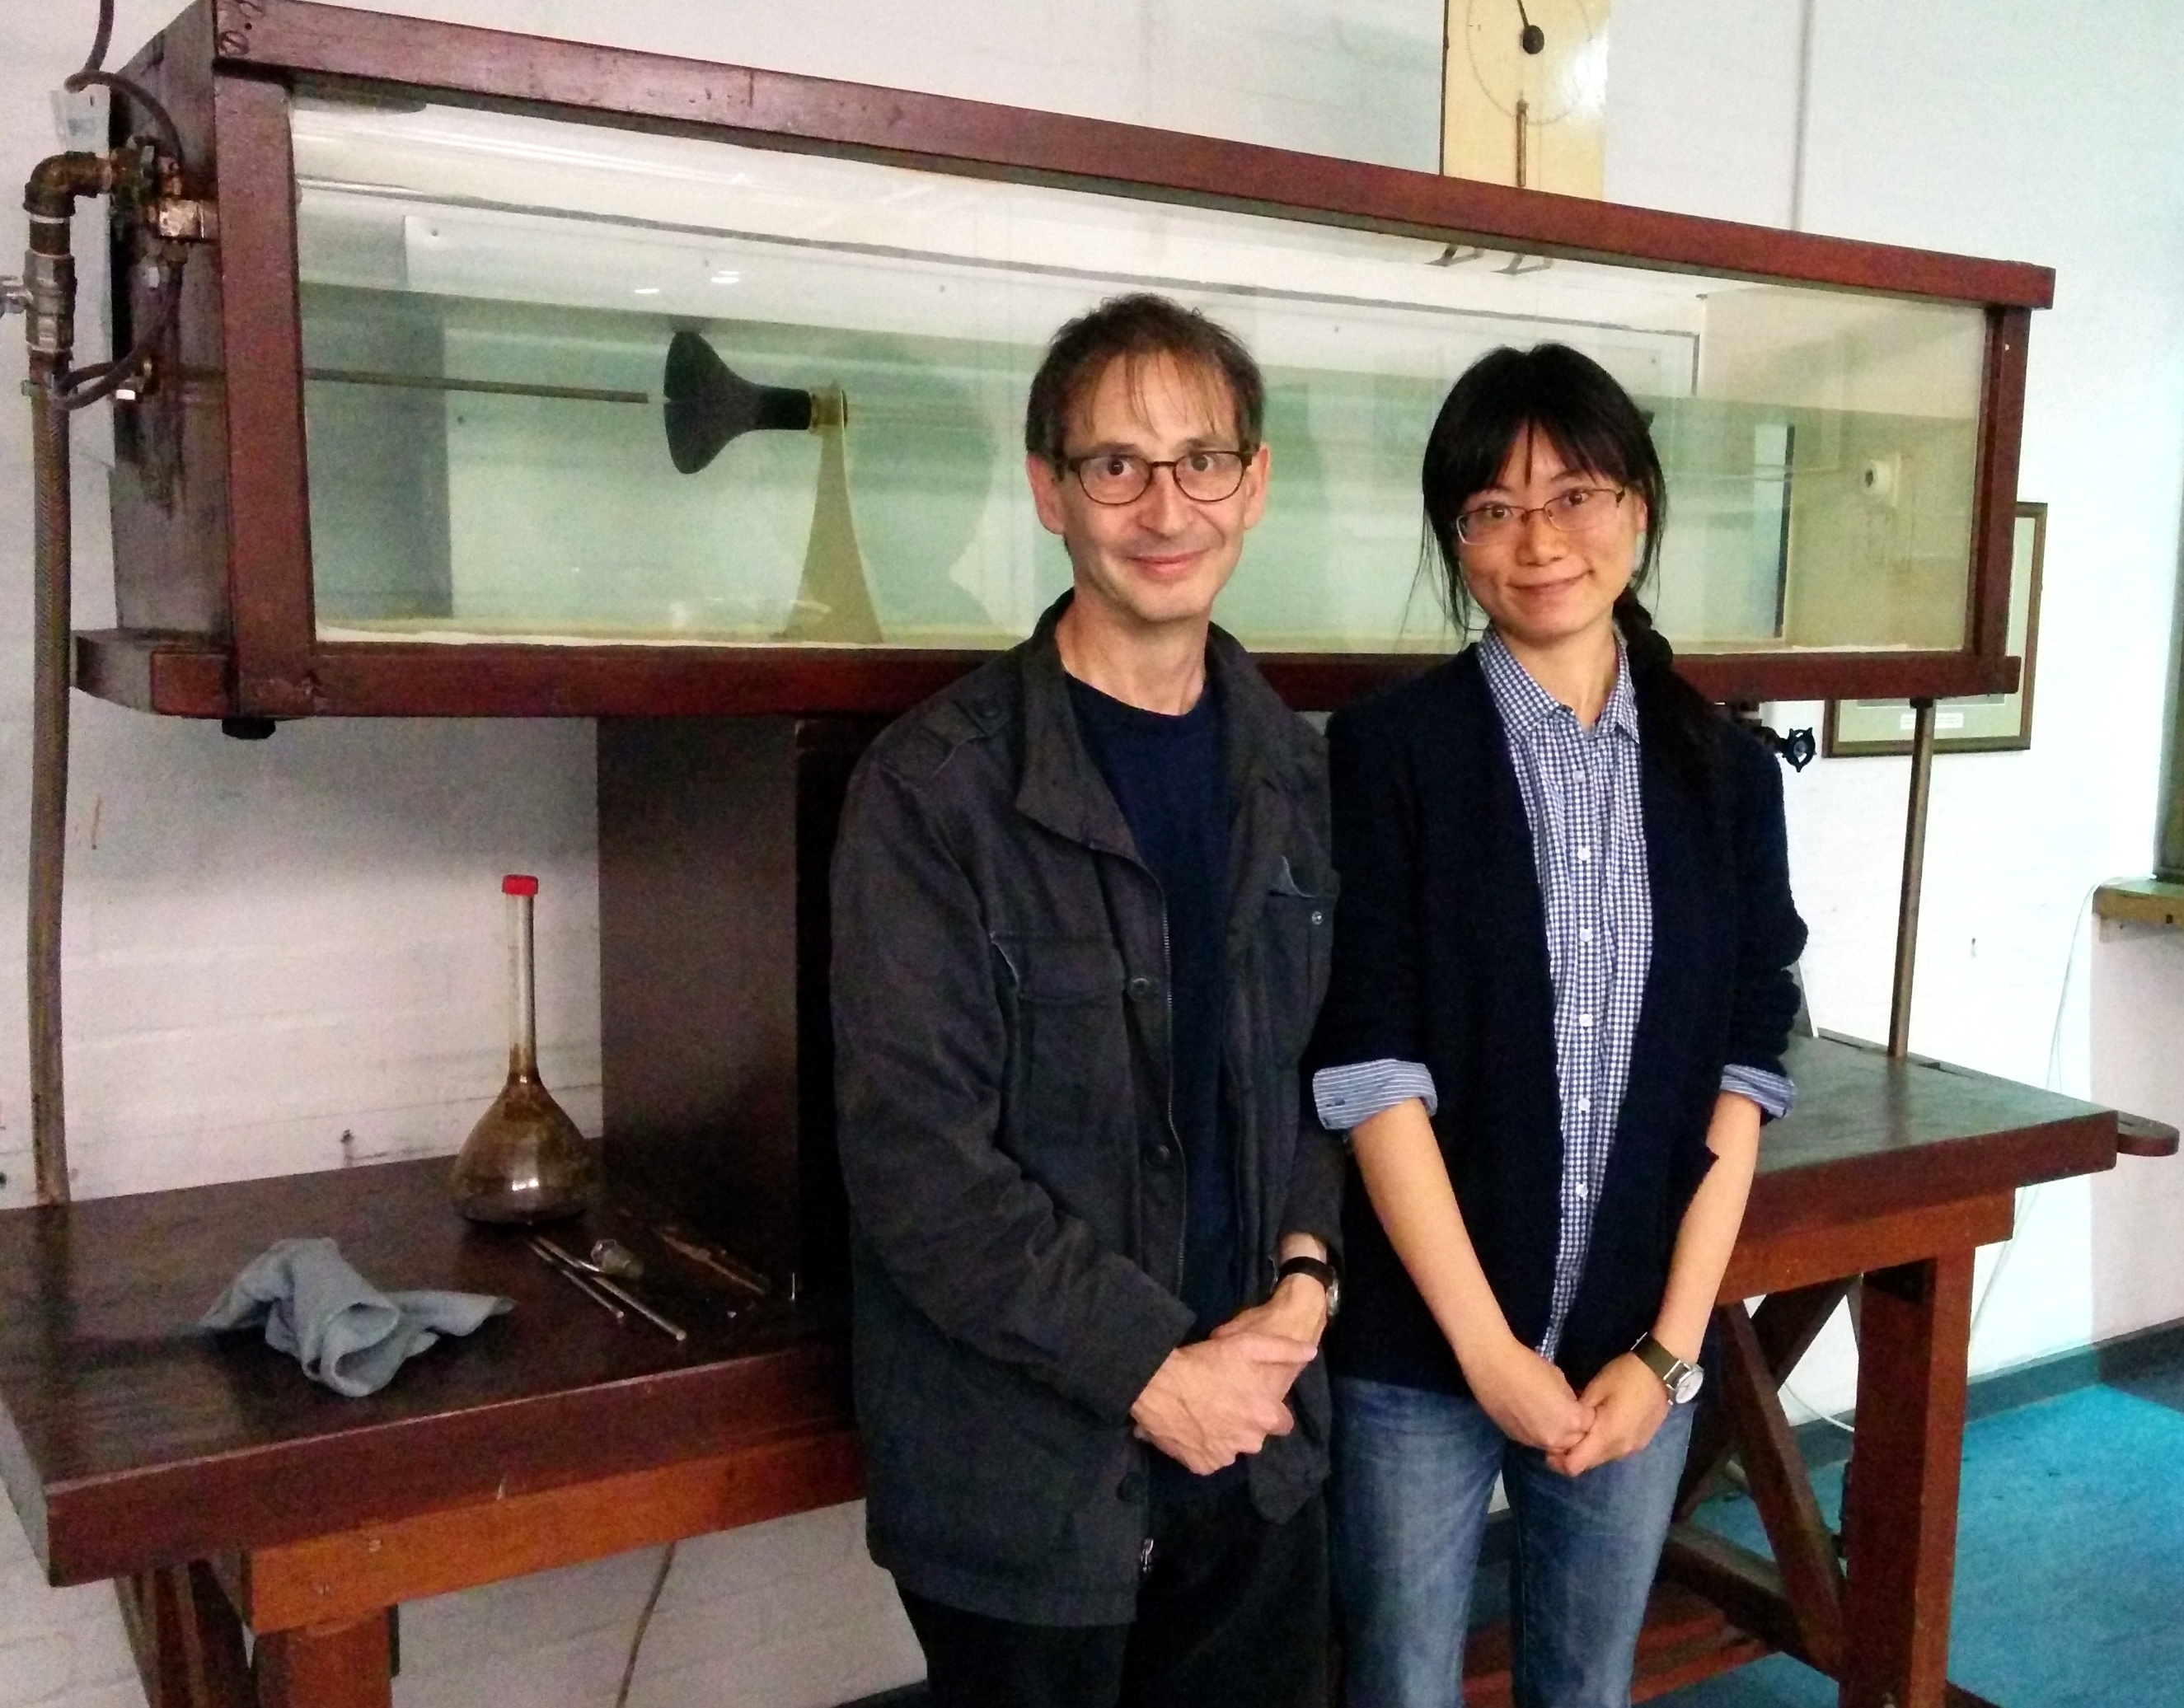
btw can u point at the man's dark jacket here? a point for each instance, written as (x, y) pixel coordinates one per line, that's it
(1001, 986)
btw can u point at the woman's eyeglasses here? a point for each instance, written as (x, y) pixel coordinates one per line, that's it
(1580, 510)
(1118, 477)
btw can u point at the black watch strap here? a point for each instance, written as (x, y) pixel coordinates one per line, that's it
(1320, 1271)
(1682, 1380)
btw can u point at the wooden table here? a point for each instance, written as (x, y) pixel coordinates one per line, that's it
(1882, 1184)
(211, 1481)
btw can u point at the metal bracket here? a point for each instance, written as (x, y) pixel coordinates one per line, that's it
(1796, 749)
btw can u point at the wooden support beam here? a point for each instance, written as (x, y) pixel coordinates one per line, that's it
(345, 1575)
(1787, 1324)
(1743, 1584)
(1804, 1548)
(1900, 1503)
(1798, 1256)
(344, 1665)
(186, 1638)
(1685, 1639)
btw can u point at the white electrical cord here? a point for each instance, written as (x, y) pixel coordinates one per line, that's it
(1827, 1418)
(2031, 1195)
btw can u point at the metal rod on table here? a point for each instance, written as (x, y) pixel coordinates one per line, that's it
(613, 1289)
(1914, 872)
(582, 1283)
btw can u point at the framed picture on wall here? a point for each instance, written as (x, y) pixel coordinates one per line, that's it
(1976, 723)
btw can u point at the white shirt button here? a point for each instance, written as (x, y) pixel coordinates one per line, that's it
(1585, 1020)
(1580, 1192)
(1585, 1106)
(1585, 853)
(1584, 933)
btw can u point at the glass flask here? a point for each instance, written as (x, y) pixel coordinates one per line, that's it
(524, 1162)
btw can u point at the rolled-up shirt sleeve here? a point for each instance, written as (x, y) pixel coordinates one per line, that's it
(1772, 1092)
(1347, 1096)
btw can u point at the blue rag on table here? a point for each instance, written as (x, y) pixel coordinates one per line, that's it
(342, 1329)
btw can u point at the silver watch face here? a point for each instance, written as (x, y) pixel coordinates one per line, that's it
(1686, 1383)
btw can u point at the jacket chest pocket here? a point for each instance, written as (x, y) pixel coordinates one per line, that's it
(1297, 935)
(1070, 1073)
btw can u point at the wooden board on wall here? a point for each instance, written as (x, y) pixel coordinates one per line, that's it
(715, 838)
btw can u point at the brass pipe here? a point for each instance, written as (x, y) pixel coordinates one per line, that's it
(1914, 873)
(53, 188)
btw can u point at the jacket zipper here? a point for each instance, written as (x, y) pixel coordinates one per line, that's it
(1175, 1138)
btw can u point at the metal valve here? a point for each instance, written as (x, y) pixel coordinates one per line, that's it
(180, 220)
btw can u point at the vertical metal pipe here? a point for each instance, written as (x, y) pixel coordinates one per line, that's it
(1802, 123)
(2169, 844)
(49, 198)
(1914, 873)
(49, 740)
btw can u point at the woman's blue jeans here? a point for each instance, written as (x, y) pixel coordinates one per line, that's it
(1413, 1472)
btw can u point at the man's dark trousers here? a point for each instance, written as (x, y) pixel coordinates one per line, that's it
(1232, 1610)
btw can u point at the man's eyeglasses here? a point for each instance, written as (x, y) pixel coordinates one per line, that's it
(1580, 510)
(1118, 477)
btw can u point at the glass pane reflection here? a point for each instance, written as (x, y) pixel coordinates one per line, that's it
(489, 300)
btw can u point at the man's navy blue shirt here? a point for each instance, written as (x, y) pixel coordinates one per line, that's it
(1166, 775)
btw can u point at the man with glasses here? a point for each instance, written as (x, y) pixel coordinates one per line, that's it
(1082, 907)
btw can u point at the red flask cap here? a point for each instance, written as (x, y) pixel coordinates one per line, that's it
(516, 884)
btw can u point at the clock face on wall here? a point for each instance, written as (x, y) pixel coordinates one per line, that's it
(1524, 93)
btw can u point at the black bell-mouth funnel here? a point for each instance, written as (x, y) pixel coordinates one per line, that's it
(709, 403)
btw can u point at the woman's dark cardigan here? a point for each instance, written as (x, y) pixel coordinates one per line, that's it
(1440, 957)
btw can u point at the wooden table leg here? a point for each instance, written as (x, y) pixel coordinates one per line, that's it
(343, 1666)
(186, 1639)
(1787, 1324)
(1900, 1504)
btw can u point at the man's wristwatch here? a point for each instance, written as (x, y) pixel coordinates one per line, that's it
(1320, 1271)
(1682, 1380)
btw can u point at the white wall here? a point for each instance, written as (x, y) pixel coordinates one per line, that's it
(270, 944)
(2138, 1212)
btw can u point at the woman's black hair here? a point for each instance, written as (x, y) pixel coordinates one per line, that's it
(1577, 407)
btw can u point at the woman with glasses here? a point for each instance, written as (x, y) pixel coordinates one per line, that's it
(1560, 996)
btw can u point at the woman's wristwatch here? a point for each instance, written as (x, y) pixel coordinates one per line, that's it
(1320, 1271)
(1682, 1380)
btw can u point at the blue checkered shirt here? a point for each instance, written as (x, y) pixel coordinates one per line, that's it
(1580, 789)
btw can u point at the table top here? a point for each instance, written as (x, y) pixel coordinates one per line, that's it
(129, 1439)
(1871, 1135)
